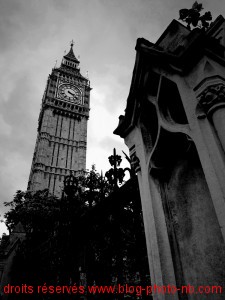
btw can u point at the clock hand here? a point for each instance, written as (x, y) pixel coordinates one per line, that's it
(71, 93)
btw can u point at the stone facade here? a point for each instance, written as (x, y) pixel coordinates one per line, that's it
(62, 131)
(174, 128)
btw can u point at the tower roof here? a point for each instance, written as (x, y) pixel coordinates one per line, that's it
(70, 55)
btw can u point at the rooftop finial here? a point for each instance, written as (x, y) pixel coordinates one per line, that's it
(70, 55)
(193, 17)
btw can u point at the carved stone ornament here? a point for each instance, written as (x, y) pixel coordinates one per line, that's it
(212, 98)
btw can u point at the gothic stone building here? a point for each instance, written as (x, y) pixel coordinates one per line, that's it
(62, 128)
(174, 127)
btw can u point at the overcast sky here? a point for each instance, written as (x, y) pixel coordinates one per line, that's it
(35, 33)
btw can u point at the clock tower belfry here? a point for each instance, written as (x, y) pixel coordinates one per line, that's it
(62, 127)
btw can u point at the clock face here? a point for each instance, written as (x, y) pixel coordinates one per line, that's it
(69, 92)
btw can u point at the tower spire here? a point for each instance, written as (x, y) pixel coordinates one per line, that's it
(70, 58)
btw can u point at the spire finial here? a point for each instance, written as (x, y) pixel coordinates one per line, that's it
(70, 55)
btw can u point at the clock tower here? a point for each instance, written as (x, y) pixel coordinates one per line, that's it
(62, 127)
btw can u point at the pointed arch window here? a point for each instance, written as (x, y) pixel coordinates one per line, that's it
(170, 103)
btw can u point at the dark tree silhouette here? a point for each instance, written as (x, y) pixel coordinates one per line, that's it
(193, 16)
(37, 211)
(93, 234)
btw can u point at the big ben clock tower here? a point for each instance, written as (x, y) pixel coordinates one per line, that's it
(62, 127)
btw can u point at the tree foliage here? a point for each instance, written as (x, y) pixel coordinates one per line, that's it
(193, 16)
(37, 211)
(95, 187)
(40, 211)
(93, 225)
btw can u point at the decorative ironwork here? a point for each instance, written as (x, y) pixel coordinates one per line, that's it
(193, 16)
(115, 175)
(135, 163)
(115, 160)
(131, 170)
(70, 185)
